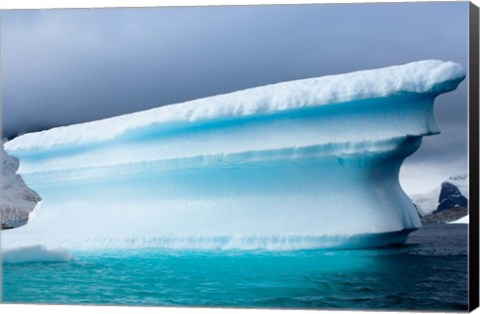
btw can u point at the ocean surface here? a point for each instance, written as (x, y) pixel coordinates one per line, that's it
(429, 272)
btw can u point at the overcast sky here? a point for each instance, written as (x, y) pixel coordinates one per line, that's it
(60, 67)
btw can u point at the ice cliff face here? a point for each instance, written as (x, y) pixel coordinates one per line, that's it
(303, 164)
(17, 199)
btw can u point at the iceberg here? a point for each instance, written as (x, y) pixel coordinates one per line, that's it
(35, 254)
(463, 220)
(305, 164)
(18, 201)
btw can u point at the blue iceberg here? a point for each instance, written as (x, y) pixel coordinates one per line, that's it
(305, 164)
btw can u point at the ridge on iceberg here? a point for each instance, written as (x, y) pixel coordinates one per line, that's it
(274, 167)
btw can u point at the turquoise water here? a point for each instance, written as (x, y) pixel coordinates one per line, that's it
(429, 272)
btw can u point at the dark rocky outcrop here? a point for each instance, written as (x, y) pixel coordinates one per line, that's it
(450, 197)
(446, 215)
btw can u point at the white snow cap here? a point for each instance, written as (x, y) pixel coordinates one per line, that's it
(429, 76)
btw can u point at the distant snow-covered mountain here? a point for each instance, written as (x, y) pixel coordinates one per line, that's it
(451, 193)
(18, 200)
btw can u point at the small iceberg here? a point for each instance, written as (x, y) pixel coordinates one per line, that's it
(463, 220)
(36, 253)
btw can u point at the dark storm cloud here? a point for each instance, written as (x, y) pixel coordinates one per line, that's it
(67, 66)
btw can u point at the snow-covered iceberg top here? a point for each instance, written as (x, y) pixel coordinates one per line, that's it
(430, 76)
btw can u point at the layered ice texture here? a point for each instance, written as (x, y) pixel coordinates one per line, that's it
(305, 164)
